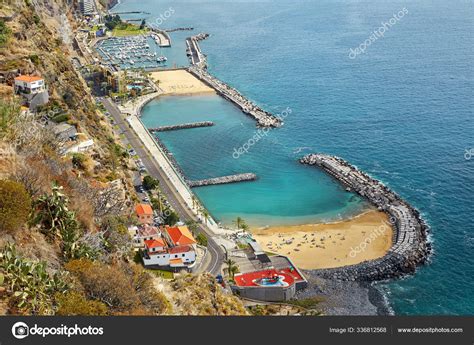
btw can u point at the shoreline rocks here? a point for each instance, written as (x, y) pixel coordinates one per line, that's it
(410, 244)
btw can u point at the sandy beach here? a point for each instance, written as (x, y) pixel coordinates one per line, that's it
(179, 82)
(313, 246)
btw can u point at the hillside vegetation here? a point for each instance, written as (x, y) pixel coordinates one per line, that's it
(64, 244)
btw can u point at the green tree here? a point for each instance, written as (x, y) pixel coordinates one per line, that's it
(170, 217)
(232, 268)
(205, 215)
(15, 205)
(201, 239)
(240, 223)
(150, 183)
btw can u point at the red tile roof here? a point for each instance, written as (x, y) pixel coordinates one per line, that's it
(143, 209)
(28, 78)
(155, 243)
(180, 235)
(180, 249)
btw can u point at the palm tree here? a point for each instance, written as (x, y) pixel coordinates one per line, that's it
(232, 268)
(205, 214)
(240, 223)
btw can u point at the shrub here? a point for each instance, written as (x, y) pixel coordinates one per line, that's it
(32, 286)
(105, 283)
(124, 288)
(79, 160)
(74, 303)
(15, 205)
(57, 221)
(5, 33)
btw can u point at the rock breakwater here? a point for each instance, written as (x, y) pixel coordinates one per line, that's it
(410, 245)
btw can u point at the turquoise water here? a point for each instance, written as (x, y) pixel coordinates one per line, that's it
(403, 112)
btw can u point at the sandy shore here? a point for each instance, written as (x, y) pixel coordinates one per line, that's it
(365, 237)
(179, 82)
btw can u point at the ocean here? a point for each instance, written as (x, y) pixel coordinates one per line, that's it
(400, 108)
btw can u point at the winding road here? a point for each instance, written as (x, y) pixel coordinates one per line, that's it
(212, 262)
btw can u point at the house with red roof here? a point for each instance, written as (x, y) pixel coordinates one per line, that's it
(173, 250)
(29, 84)
(33, 90)
(144, 213)
(180, 235)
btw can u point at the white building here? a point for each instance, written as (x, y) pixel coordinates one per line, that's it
(29, 84)
(157, 254)
(173, 249)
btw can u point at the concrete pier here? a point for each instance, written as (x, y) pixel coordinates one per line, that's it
(161, 37)
(223, 180)
(410, 245)
(182, 126)
(196, 57)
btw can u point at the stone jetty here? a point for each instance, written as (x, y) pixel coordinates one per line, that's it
(179, 29)
(182, 126)
(199, 70)
(264, 118)
(223, 180)
(410, 245)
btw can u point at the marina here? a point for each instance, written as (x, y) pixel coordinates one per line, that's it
(141, 51)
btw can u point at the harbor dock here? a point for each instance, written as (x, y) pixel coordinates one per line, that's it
(182, 126)
(223, 180)
(410, 245)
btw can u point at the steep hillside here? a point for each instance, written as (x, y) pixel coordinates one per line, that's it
(64, 244)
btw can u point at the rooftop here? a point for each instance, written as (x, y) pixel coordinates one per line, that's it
(147, 231)
(251, 278)
(28, 78)
(155, 243)
(180, 249)
(180, 235)
(144, 209)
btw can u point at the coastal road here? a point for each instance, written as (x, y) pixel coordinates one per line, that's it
(215, 252)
